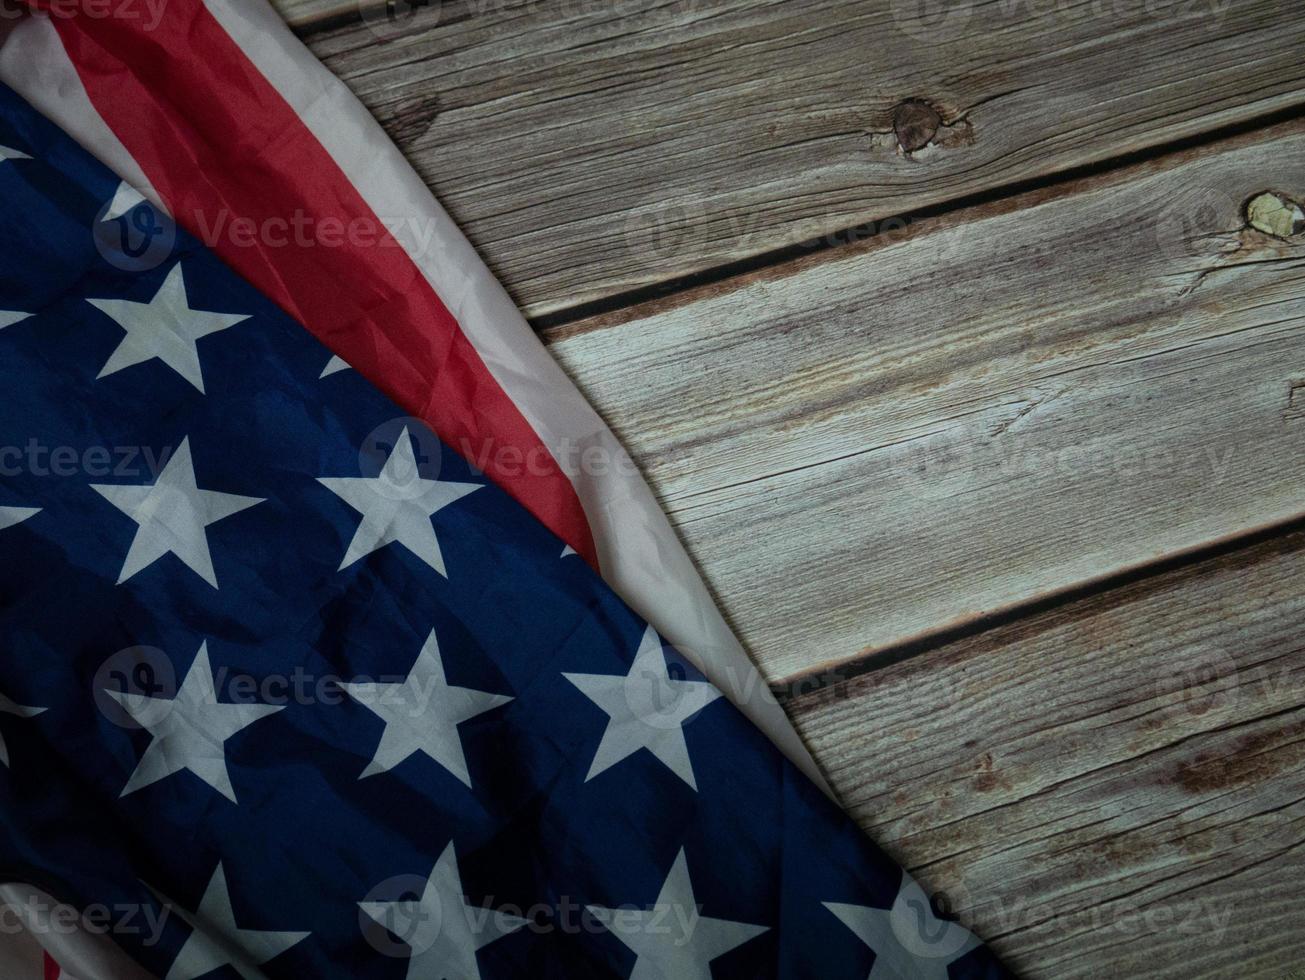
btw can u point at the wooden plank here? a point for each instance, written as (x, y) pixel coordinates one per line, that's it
(879, 442)
(591, 148)
(1115, 788)
(309, 15)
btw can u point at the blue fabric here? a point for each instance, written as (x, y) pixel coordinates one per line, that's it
(308, 839)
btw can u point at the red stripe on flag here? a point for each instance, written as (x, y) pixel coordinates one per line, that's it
(219, 143)
(52, 971)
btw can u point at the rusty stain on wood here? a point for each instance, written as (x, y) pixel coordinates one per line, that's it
(1250, 759)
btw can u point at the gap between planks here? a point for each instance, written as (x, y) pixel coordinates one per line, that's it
(592, 154)
(1128, 311)
(793, 688)
(950, 217)
(1144, 816)
(638, 304)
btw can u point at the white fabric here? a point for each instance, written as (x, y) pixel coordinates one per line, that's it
(34, 64)
(33, 920)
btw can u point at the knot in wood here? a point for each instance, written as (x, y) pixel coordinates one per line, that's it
(1275, 215)
(915, 122)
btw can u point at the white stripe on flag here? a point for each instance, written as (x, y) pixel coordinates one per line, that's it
(34, 64)
(36, 922)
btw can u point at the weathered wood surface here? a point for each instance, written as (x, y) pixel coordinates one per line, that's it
(1115, 788)
(876, 443)
(589, 148)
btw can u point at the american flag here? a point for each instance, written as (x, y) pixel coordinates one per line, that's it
(305, 674)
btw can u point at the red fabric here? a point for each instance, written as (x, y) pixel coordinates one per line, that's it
(52, 971)
(218, 143)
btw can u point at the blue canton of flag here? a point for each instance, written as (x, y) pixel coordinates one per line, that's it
(281, 669)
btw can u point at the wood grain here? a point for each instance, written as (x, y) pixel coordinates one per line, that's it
(874, 444)
(590, 148)
(1115, 788)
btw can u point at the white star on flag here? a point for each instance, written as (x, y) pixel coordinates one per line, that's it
(125, 198)
(673, 939)
(397, 506)
(9, 516)
(334, 366)
(423, 714)
(190, 730)
(9, 153)
(908, 939)
(10, 707)
(10, 317)
(165, 327)
(173, 514)
(442, 931)
(216, 941)
(646, 709)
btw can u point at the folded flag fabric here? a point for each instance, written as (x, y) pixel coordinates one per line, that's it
(213, 110)
(291, 688)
